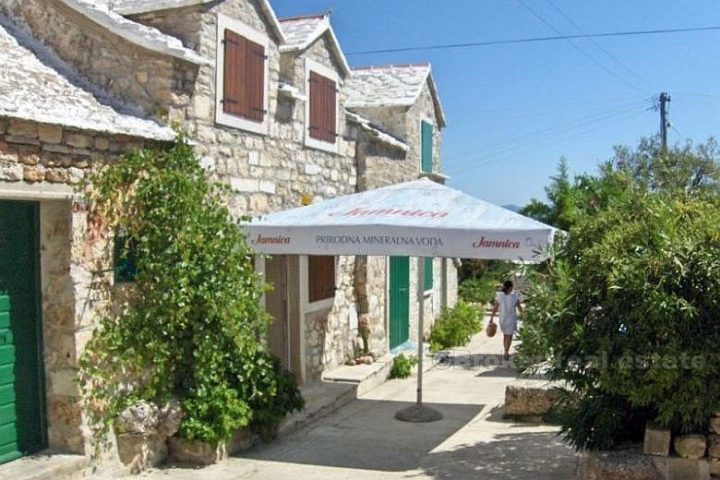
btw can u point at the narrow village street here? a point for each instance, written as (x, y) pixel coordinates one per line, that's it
(363, 440)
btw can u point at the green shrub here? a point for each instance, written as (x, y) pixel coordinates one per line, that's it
(627, 314)
(478, 290)
(402, 366)
(455, 326)
(194, 328)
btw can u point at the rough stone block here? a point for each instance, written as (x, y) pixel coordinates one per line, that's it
(33, 174)
(617, 465)
(530, 399)
(50, 133)
(690, 446)
(673, 468)
(244, 184)
(23, 128)
(714, 465)
(196, 452)
(79, 140)
(102, 143)
(714, 445)
(140, 452)
(657, 440)
(715, 424)
(12, 173)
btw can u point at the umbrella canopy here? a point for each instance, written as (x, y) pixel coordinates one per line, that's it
(418, 218)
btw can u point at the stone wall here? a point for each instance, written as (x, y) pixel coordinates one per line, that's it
(74, 256)
(158, 84)
(423, 109)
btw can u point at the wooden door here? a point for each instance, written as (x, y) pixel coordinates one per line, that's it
(399, 300)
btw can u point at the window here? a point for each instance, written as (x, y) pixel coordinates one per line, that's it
(427, 146)
(241, 76)
(321, 278)
(428, 274)
(321, 108)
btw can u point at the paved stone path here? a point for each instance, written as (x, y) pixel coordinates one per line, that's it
(363, 440)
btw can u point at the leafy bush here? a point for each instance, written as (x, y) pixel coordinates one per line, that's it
(402, 366)
(193, 328)
(627, 314)
(478, 290)
(455, 326)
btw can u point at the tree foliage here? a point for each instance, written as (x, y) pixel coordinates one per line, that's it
(626, 313)
(193, 328)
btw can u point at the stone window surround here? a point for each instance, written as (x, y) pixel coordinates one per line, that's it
(320, 69)
(224, 22)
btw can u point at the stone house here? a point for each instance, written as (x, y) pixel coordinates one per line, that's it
(275, 111)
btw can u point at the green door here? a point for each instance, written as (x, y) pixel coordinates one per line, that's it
(22, 412)
(399, 300)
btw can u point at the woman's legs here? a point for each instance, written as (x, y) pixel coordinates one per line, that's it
(507, 340)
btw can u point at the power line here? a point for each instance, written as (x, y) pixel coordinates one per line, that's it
(598, 46)
(511, 142)
(599, 121)
(580, 49)
(448, 46)
(534, 145)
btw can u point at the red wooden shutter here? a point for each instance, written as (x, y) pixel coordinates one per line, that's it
(234, 84)
(316, 106)
(321, 273)
(330, 113)
(255, 81)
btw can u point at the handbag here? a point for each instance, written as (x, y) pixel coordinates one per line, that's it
(491, 329)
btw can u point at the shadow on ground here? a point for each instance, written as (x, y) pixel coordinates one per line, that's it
(367, 436)
(516, 456)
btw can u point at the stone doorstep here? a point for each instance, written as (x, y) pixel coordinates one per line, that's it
(46, 465)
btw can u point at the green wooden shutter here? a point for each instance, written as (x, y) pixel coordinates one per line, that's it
(428, 278)
(427, 146)
(125, 259)
(399, 300)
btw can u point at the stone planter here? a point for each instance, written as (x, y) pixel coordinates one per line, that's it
(140, 452)
(196, 452)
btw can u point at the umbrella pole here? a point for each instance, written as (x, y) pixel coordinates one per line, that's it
(419, 413)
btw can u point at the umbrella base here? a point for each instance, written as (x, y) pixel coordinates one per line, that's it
(418, 414)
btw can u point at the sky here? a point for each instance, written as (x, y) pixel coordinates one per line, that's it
(514, 110)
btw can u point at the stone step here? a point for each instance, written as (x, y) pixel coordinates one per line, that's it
(46, 465)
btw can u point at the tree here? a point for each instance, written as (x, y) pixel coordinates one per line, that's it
(684, 168)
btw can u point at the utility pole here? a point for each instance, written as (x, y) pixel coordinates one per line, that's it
(664, 123)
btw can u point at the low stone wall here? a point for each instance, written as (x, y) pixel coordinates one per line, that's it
(530, 399)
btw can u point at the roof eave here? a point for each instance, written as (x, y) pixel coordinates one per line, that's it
(159, 5)
(324, 28)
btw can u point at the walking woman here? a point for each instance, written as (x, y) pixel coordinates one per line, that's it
(508, 303)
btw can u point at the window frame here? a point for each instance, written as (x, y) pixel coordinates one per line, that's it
(228, 119)
(322, 70)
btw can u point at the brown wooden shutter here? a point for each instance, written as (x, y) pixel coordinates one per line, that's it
(321, 273)
(330, 113)
(315, 125)
(255, 81)
(234, 87)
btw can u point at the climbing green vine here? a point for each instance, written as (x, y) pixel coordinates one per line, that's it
(193, 329)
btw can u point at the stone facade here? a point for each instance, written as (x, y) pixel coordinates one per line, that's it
(266, 172)
(44, 163)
